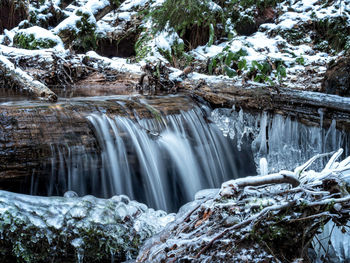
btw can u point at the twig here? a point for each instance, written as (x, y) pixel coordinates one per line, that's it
(311, 217)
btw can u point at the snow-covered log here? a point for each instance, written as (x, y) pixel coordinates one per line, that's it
(307, 107)
(250, 220)
(74, 229)
(21, 79)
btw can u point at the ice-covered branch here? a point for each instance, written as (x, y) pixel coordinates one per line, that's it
(273, 217)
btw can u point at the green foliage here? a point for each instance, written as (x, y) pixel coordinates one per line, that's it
(281, 71)
(235, 64)
(211, 35)
(295, 36)
(183, 14)
(261, 71)
(228, 62)
(200, 22)
(142, 49)
(81, 36)
(85, 37)
(28, 41)
(300, 60)
(332, 33)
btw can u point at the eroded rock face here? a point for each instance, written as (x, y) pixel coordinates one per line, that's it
(337, 78)
(74, 229)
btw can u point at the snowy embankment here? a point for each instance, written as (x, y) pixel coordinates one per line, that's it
(285, 46)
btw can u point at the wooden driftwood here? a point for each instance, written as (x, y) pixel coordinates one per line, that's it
(21, 79)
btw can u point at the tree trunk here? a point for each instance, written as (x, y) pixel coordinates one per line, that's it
(12, 12)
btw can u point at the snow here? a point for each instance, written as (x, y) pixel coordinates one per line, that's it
(260, 46)
(165, 40)
(70, 22)
(116, 63)
(94, 6)
(131, 4)
(43, 34)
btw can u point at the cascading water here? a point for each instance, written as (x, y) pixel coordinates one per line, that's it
(162, 161)
(165, 160)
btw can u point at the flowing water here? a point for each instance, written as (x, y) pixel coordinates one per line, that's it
(161, 161)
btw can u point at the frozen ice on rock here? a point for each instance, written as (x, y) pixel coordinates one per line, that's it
(75, 222)
(206, 193)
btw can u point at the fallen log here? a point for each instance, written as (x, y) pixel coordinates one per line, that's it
(307, 107)
(250, 220)
(21, 79)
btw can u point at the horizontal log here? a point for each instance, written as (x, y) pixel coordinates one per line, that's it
(305, 106)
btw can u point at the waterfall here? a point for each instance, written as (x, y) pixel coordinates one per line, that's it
(161, 161)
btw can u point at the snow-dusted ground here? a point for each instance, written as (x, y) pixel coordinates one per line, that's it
(304, 65)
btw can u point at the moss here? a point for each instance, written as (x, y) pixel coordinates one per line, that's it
(28, 41)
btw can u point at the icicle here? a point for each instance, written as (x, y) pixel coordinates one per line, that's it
(263, 167)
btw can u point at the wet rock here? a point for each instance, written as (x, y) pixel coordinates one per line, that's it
(337, 78)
